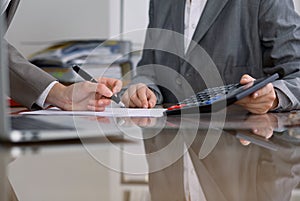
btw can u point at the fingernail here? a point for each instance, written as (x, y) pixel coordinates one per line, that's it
(255, 95)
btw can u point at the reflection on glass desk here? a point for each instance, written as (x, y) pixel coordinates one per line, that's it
(246, 157)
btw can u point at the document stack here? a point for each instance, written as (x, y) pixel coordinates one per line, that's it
(109, 58)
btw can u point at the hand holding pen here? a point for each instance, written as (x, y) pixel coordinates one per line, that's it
(108, 87)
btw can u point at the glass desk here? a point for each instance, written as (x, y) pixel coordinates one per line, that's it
(234, 157)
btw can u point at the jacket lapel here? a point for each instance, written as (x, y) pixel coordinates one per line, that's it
(211, 11)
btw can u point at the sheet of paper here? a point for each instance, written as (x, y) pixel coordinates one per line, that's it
(109, 112)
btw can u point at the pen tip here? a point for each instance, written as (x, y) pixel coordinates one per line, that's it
(122, 104)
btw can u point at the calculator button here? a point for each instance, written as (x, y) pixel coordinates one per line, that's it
(208, 102)
(205, 97)
(176, 107)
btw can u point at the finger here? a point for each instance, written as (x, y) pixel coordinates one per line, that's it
(104, 90)
(246, 79)
(103, 102)
(114, 84)
(262, 104)
(98, 96)
(134, 99)
(142, 95)
(151, 98)
(99, 103)
(266, 90)
(117, 86)
(132, 104)
(255, 102)
(125, 98)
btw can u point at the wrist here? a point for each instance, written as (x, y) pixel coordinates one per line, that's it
(57, 97)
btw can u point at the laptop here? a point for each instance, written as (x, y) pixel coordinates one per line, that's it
(36, 128)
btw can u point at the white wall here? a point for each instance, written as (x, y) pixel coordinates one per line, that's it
(37, 22)
(135, 18)
(46, 20)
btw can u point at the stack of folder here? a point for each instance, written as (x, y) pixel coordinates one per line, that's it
(101, 57)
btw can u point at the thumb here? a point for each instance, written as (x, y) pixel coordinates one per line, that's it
(246, 79)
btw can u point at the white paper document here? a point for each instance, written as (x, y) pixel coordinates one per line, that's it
(108, 112)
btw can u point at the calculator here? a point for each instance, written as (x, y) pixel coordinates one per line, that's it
(216, 98)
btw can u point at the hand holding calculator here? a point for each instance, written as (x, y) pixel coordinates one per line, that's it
(216, 98)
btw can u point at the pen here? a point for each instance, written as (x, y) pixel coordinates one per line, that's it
(88, 77)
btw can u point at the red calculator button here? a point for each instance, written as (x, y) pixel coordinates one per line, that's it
(174, 107)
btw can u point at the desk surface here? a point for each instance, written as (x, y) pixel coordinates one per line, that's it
(173, 158)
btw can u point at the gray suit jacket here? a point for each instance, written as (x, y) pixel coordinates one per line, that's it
(235, 36)
(27, 81)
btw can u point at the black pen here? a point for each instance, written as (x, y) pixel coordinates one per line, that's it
(88, 77)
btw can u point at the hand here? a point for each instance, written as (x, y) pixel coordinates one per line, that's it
(84, 95)
(139, 95)
(261, 101)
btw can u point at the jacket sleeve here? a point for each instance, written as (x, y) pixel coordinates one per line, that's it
(280, 34)
(27, 81)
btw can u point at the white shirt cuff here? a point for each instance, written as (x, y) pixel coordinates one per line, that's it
(42, 98)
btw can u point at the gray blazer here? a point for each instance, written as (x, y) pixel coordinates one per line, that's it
(27, 81)
(256, 37)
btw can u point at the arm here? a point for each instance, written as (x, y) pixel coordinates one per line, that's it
(279, 30)
(28, 82)
(280, 35)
